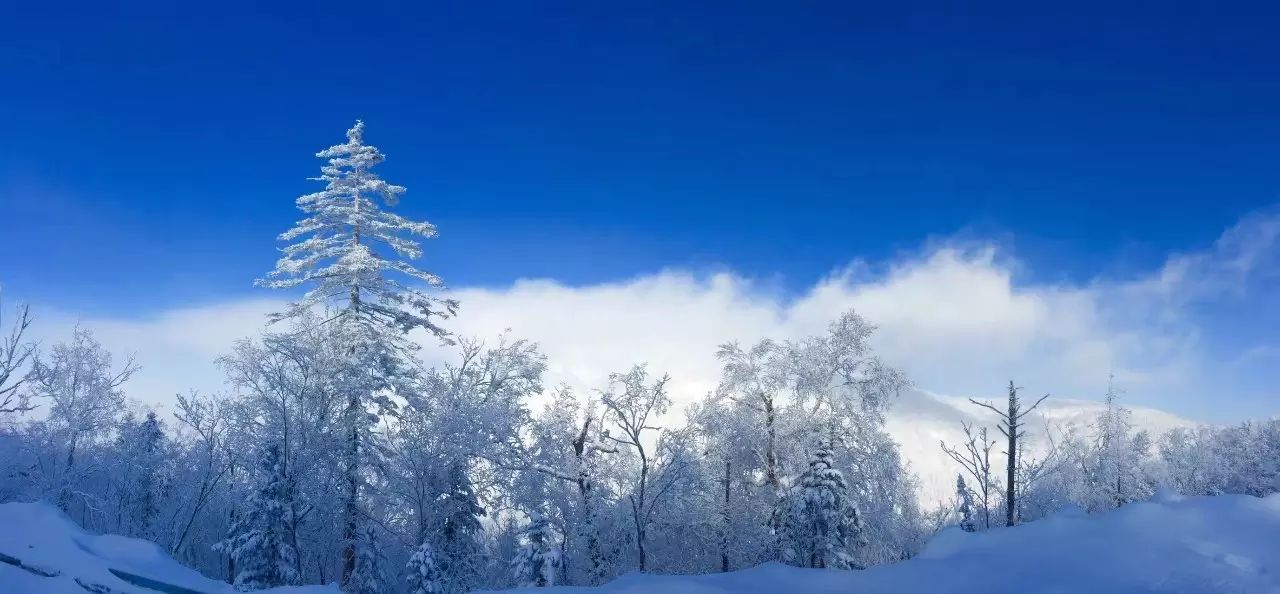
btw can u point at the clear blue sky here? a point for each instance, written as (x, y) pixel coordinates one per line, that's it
(152, 153)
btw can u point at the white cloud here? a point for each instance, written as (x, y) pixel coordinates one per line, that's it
(954, 317)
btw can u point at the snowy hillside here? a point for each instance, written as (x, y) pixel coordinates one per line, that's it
(44, 552)
(1216, 544)
(1193, 545)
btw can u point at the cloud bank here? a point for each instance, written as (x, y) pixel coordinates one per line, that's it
(954, 316)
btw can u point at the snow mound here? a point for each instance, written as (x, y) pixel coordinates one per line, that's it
(44, 552)
(1192, 545)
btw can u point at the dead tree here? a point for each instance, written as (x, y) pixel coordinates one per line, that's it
(1010, 423)
(975, 459)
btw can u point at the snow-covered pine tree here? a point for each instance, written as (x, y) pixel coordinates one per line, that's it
(354, 256)
(369, 575)
(344, 230)
(966, 505)
(424, 572)
(137, 474)
(537, 562)
(460, 552)
(820, 524)
(1117, 475)
(257, 541)
(151, 439)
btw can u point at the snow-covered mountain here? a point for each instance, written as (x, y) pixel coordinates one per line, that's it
(919, 420)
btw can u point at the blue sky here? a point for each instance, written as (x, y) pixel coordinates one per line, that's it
(160, 147)
(153, 152)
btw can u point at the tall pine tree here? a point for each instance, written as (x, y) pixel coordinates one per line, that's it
(820, 523)
(258, 541)
(537, 562)
(460, 551)
(424, 572)
(368, 576)
(966, 505)
(353, 256)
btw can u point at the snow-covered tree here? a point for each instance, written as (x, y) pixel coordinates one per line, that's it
(633, 402)
(800, 391)
(16, 356)
(369, 575)
(138, 470)
(965, 498)
(974, 456)
(1117, 465)
(350, 250)
(571, 452)
(730, 476)
(83, 389)
(755, 379)
(820, 524)
(204, 465)
(460, 553)
(424, 575)
(353, 256)
(537, 561)
(258, 541)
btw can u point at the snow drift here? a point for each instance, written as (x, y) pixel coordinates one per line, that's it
(44, 552)
(1204, 544)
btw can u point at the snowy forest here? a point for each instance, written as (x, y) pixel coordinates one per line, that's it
(337, 454)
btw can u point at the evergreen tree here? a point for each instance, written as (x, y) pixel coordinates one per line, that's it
(425, 576)
(820, 525)
(352, 255)
(257, 541)
(537, 562)
(460, 551)
(151, 438)
(344, 229)
(966, 505)
(138, 474)
(1117, 475)
(368, 577)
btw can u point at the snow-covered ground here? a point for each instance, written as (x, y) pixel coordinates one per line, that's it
(57, 557)
(1197, 545)
(1204, 544)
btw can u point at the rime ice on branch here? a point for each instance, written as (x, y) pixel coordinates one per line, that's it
(349, 250)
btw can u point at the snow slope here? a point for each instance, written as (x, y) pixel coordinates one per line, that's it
(1195, 545)
(1203, 544)
(57, 557)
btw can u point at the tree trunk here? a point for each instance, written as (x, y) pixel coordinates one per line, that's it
(986, 481)
(724, 541)
(1011, 467)
(770, 454)
(350, 505)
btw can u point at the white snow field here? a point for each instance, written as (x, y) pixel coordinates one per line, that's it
(1201, 544)
(44, 552)
(1227, 544)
